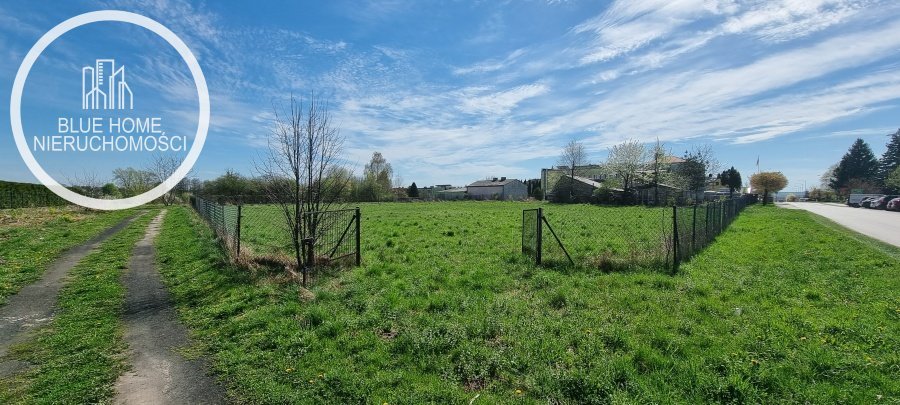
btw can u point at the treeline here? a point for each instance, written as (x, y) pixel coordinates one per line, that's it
(376, 183)
(860, 171)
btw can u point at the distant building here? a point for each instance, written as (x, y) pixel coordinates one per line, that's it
(497, 189)
(453, 193)
(549, 177)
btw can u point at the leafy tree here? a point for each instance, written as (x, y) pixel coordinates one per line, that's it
(892, 182)
(690, 174)
(133, 181)
(859, 163)
(537, 193)
(890, 160)
(828, 177)
(110, 189)
(768, 182)
(732, 179)
(229, 184)
(625, 161)
(376, 182)
(412, 191)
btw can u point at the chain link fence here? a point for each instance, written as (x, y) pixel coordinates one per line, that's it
(260, 233)
(625, 238)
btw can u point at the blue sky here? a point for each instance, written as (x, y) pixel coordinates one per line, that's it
(454, 91)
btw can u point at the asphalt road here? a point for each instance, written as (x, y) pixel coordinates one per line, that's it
(881, 225)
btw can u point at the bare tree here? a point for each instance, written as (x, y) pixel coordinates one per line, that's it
(87, 183)
(625, 161)
(659, 165)
(705, 155)
(132, 181)
(162, 167)
(300, 171)
(572, 156)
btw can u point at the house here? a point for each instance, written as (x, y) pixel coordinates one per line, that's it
(549, 177)
(497, 189)
(450, 193)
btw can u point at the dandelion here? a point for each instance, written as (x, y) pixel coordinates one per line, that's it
(755, 362)
(312, 381)
(802, 337)
(288, 369)
(518, 392)
(321, 375)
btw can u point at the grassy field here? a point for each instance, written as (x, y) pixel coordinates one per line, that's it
(79, 355)
(31, 238)
(782, 308)
(589, 234)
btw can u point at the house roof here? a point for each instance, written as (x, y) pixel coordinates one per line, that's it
(491, 183)
(453, 190)
(590, 182)
(673, 159)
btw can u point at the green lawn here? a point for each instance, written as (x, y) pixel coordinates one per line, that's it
(31, 238)
(79, 355)
(589, 234)
(782, 308)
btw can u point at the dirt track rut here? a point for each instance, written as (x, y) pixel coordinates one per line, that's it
(158, 375)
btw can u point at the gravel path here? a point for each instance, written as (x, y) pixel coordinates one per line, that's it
(158, 374)
(33, 305)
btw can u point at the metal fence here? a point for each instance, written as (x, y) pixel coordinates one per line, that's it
(260, 233)
(223, 219)
(697, 226)
(12, 197)
(626, 238)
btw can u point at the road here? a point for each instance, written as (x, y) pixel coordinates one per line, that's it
(881, 225)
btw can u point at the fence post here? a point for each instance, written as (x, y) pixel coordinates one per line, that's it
(675, 258)
(310, 259)
(539, 237)
(694, 231)
(358, 252)
(237, 232)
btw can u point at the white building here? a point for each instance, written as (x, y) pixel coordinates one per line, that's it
(497, 189)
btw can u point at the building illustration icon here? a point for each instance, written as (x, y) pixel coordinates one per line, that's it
(103, 87)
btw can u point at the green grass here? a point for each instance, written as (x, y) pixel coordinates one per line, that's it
(589, 234)
(79, 355)
(780, 309)
(31, 238)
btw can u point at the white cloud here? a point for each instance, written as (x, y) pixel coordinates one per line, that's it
(501, 103)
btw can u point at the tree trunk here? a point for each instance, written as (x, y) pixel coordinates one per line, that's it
(765, 197)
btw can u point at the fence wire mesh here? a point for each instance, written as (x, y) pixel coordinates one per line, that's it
(221, 218)
(530, 233)
(261, 233)
(625, 238)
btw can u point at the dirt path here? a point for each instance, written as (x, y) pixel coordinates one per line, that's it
(33, 305)
(158, 374)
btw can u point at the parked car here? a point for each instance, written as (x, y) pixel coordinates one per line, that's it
(855, 199)
(866, 201)
(881, 202)
(893, 205)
